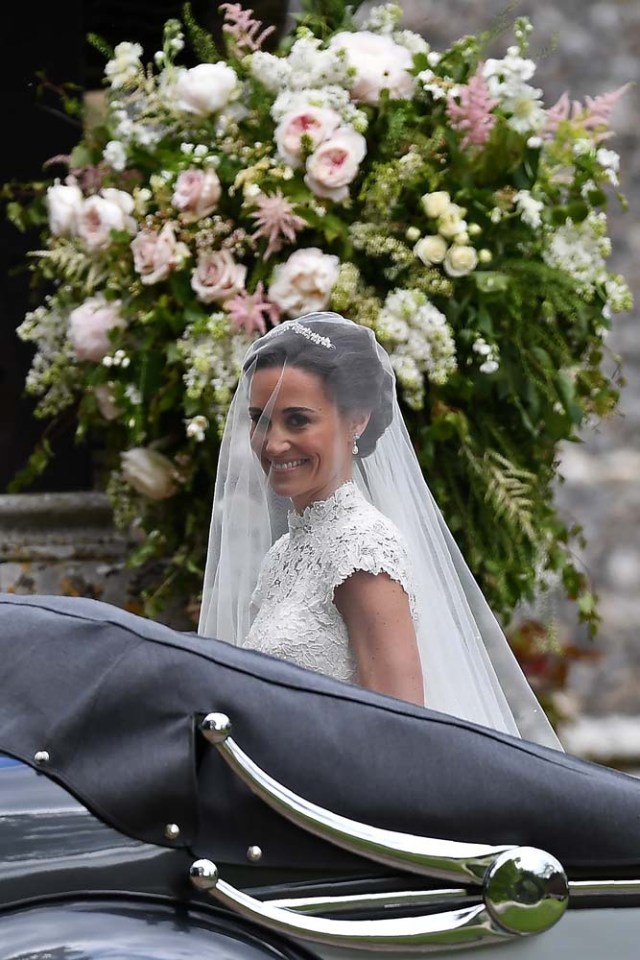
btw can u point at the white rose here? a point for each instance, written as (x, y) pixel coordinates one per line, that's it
(89, 327)
(303, 283)
(432, 249)
(335, 163)
(64, 202)
(205, 89)
(435, 204)
(217, 278)
(379, 64)
(451, 225)
(102, 213)
(196, 194)
(460, 260)
(149, 472)
(316, 123)
(155, 255)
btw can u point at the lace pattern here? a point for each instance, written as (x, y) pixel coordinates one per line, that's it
(296, 618)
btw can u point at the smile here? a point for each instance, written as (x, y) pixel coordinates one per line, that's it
(286, 465)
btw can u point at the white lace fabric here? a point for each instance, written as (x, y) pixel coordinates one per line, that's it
(296, 618)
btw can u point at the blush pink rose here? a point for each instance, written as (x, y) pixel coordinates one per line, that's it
(205, 88)
(109, 210)
(149, 472)
(316, 123)
(156, 255)
(303, 284)
(333, 166)
(196, 194)
(218, 277)
(379, 63)
(90, 325)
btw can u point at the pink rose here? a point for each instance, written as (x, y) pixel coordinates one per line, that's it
(109, 210)
(149, 472)
(303, 283)
(316, 123)
(89, 327)
(335, 164)
(217, 277)
(196, 194)
(155, 255)
(105, 402)
(379, 64)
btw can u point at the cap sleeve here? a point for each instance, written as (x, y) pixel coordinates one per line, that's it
(377, 547)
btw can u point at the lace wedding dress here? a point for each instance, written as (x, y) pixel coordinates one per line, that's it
(296, 618)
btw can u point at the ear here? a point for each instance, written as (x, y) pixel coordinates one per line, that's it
(358, 422)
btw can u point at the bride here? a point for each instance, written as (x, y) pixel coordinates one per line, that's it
(326, 547)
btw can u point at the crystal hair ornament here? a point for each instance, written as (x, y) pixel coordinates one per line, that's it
(296, 327)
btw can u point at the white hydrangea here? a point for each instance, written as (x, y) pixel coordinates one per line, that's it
(196, 428)
(579, 250)
(383, 19)
(271, 71)
(311, 66)
(125, 66)
(414, 43)
(419, 340)
(529, 208)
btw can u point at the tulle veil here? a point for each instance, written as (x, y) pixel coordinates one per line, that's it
(468, 667)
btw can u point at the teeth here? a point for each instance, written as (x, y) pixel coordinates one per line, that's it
(283, 467)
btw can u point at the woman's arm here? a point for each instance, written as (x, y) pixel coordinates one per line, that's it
(377, 614)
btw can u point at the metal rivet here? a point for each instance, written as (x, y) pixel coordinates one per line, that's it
(254, 853)
(41, 756)
(172, 831)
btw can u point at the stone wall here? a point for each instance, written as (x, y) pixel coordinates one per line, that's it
(590, 47)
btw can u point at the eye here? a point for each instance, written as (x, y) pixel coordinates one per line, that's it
(297, 420)
(256, 418)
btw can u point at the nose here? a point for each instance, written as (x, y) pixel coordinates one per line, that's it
(276, 442)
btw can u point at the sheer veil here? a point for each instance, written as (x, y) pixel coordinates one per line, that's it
(468, 667)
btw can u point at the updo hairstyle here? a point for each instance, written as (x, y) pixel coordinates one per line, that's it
(350, 369)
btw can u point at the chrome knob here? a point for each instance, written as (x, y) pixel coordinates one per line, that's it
(526, 890)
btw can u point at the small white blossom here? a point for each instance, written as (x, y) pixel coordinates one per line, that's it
(383, 19)
(489, 366)
(434, 58)
(196, 428)
(125, 66)
(529, 208)
(115, 155)
(414, 43)
(583, 147)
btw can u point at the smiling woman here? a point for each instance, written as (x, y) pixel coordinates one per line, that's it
(326, 547)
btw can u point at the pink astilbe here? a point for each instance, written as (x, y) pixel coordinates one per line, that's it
(276, 221)
(242, 28)
(470, 113)
(594, 116)
(250, 311)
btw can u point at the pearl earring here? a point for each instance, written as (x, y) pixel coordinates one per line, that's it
(354, 448)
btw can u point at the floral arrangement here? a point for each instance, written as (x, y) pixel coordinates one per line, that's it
(429, 195)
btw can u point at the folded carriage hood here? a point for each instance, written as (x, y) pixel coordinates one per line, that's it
(115, 699)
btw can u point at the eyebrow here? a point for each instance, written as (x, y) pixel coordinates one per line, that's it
(286, 410)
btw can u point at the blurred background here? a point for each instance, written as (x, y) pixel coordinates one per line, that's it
(56, 543)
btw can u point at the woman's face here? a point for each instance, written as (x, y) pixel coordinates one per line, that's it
(303, 442)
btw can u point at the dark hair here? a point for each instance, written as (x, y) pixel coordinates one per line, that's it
(350, 369)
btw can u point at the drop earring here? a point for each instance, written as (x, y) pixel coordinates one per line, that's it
(354, 448)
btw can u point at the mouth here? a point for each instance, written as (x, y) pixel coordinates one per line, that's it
(286, 466)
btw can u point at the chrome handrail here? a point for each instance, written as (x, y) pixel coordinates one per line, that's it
(440, 859)
(523, 890)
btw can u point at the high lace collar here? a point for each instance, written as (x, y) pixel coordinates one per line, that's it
(321, 511)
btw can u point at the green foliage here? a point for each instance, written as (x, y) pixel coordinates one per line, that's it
(454, 254)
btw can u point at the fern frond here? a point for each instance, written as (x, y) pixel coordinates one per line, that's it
(201, 41)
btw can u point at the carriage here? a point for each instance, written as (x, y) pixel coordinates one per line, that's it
(163, 795)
